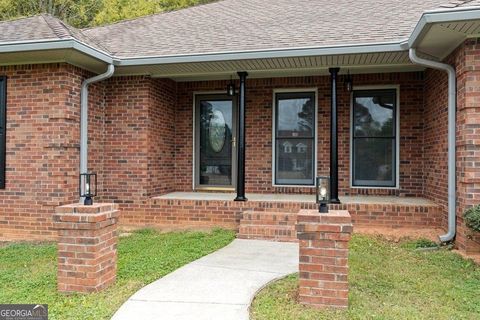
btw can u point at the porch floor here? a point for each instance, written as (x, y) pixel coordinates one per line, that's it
(305, 198)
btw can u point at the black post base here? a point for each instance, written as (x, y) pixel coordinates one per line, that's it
(88, 201)
(323, 208)
(335, 201)
(240, 198)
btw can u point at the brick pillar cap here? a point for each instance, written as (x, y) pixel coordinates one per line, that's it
(332, 217)
(77, 216)
(76, 208)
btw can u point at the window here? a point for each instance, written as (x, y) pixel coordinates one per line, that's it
(294, 138)
(3, 129)
(374, 138)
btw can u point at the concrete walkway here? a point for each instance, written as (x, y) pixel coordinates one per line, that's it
(218, 286)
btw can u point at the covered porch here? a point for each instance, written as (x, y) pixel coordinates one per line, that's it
(234, 134)
(255, 173)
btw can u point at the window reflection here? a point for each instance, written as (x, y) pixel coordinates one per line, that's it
(374, 138)
(294, 138)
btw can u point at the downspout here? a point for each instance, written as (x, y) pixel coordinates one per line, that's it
(452, 106)
(84, 116)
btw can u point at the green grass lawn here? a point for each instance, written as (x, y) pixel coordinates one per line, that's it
(388, 281)
(28, 271)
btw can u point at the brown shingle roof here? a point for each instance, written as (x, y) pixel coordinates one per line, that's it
(42, 27)
(242, 25)
(236, 25)
(31, 28)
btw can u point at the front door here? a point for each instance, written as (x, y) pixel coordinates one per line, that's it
(215, 141)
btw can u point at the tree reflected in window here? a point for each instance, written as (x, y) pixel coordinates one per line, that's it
(374, 138)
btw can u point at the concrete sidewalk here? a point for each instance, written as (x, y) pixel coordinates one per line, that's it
(218, 286)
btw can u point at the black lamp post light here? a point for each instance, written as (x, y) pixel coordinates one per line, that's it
(323, 193)
(88, 187)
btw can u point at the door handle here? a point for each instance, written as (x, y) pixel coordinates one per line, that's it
(234, 142)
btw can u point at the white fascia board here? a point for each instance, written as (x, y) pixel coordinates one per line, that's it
(438, 16)
(20, 46)
(100, 55)
(55, 44)
(262, 54)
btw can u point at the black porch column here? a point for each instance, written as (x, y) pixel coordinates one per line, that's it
(241, 139)
(333, 138)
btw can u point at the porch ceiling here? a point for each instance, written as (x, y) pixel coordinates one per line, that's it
(270, 67)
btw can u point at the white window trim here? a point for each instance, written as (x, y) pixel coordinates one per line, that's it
(315, 136)
(397, 136)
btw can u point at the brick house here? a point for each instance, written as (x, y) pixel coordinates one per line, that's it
(357, 92)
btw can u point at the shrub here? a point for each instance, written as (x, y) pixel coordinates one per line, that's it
(472, 218)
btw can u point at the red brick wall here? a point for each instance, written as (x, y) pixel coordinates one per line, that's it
(465, 60)
(435, 137)
(468, 136)
(259, 131)
(43, 104)
(161, 138)
(139, 133)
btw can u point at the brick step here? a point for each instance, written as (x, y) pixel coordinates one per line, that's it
(285, 233)
(269, 218)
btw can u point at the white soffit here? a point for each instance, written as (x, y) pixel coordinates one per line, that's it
(442, 38)
(268, 67)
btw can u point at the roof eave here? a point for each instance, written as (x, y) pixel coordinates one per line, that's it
(423, 26)
(55, 44)
(263, 54)
(438, 16)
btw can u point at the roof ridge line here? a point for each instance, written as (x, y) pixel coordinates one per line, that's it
(64, 31)
(58, 28)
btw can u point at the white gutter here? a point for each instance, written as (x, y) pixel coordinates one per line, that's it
(452, 106)
(263, 54)
(84, 116)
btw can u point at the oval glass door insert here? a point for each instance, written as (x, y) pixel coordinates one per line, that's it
(217, 130)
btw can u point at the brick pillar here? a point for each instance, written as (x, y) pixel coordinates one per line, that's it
(87, 246)
(323, 265)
